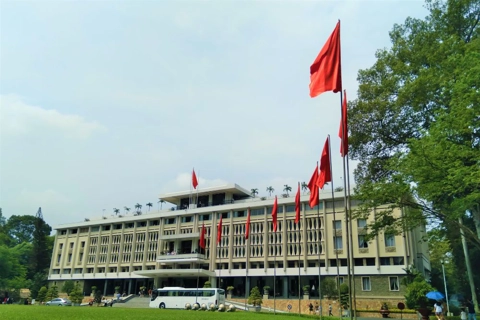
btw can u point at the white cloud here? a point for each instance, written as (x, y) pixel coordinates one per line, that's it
(19, 118)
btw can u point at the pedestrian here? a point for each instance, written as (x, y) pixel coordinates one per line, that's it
(310, 308)
(438, 310)
(470, 310)
(330, 314)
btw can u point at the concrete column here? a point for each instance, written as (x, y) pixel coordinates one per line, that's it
(285, 287)
(129, 286)
(105, 287)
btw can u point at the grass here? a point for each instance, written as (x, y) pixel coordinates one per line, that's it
(22, 312)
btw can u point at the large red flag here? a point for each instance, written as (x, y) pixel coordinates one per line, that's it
(297, 205)
(247, 227)
(219, 231)
(202, 236)
(326, 70)
(274, 215)
(344, 126)
(194, 180)
(325, 172)
(312, 185)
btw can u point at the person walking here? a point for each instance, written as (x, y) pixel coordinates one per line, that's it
(438, 310)
(330, 314)
(470, 310)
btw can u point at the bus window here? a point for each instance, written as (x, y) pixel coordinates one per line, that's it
(154, 295)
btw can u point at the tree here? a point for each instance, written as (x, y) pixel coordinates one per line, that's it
(287, 189)
(76, 294)
(52, 293)
(207, 284)
(127, 210)
(138, 207)
(42, 294)
(161, 201)
(329, 288)
(254, 192)
(20, 228)
(97, 297)
(149, 205)
(68, 286)
(42, 251)
(304, 186)
(38, 281)
(344, 296)
(255, 298)
(116, 211)
(415, 125)
(270, 190)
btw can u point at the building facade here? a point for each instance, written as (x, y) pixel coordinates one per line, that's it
(157, 249)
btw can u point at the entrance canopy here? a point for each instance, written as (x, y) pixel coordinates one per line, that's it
(170, 273)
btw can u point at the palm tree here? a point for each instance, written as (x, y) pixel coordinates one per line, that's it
(287, 188)
(116, 211)
(161, 203)
(254, 192)
(304, 186)
(270, 190)
(149, 205)
(127, 209)
(138, 206)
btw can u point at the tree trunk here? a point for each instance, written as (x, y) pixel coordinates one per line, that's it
(476, 219)
(469, 268)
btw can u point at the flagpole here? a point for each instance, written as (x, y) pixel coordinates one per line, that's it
(351, 241)
(334, 219)
(319, 252)
(299, 257)
(196, 200)
(274, 278)
(246, 271)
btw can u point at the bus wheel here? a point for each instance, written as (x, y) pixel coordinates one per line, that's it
(162, 305)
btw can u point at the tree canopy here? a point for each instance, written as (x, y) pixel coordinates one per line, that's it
(415, 126)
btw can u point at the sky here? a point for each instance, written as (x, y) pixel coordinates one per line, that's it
(105, 104)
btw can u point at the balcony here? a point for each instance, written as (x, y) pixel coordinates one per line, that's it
(182, 258)
(193, 235)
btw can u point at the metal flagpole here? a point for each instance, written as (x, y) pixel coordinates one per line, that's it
(334, 219)
(319, 248)
(246, 269)
(274, 277)
(299, 278)
(354, 298)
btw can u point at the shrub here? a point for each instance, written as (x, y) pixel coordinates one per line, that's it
(76, 294)
(42, 294)
(255, 298)
(52, 293)
(68, 286)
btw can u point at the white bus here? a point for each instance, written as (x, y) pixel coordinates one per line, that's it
(178, 297)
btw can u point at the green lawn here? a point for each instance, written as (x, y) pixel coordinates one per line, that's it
(21, 312)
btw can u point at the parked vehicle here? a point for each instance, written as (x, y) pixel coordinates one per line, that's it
(59, 302)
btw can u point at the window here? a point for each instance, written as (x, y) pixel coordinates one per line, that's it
(170, 221)
(71, 245)
(290, 209)
(187, 219)
(366, 285)
(340, 280)
(82, 244)
(361, 242)
(204, 217)
(393, 283)
(337, 224)
(224, 215)
(257, 212)
(117, 226)
(337, 243)
(398, 261)
(106, 228)
(61, 246)
(389, 240)
(239, 214)
(362, 223)
(154, 222)
(141, 224)
(385, 261)
(69, 257)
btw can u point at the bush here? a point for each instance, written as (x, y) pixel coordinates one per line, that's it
(76, 294)
(415, 296)
(68, 286)
(52, 293)
(42, 294)
(207, 284)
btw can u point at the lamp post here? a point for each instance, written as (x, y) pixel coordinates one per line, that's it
(446, 292)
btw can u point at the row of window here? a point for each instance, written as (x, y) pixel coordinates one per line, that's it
(394, 285)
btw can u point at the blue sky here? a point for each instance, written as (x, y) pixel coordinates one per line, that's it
(108, 103)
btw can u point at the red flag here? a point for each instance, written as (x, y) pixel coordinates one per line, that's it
(343, 125)
(297, 205)
(312, 185)
(247, 227)
(194, 180)
(202, 236)
(219, 231)
(326, 70)
(325, 172)
(274, 215)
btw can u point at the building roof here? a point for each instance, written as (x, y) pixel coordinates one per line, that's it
(175, 197)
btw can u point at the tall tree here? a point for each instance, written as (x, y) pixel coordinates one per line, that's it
(20, 228)
(149, 205)
(287, 189)
(270, 190)
(254, 192)
(41, 249)
(304, 186)
(116, 211)
(415, 124)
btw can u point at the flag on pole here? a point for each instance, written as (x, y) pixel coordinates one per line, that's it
(247, 227)
(326, 70)
(297, 205)
(343, 125)
(325, 170)
(312, 185)
(219, 231)
(274, 215)
(194, 180)
(202, 236)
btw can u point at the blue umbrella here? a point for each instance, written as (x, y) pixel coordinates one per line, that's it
(435, 295)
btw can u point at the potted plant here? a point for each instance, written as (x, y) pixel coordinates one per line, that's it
(266, 290)
(229, 291)
(255, 299)
(306, 292)
(384, 310)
